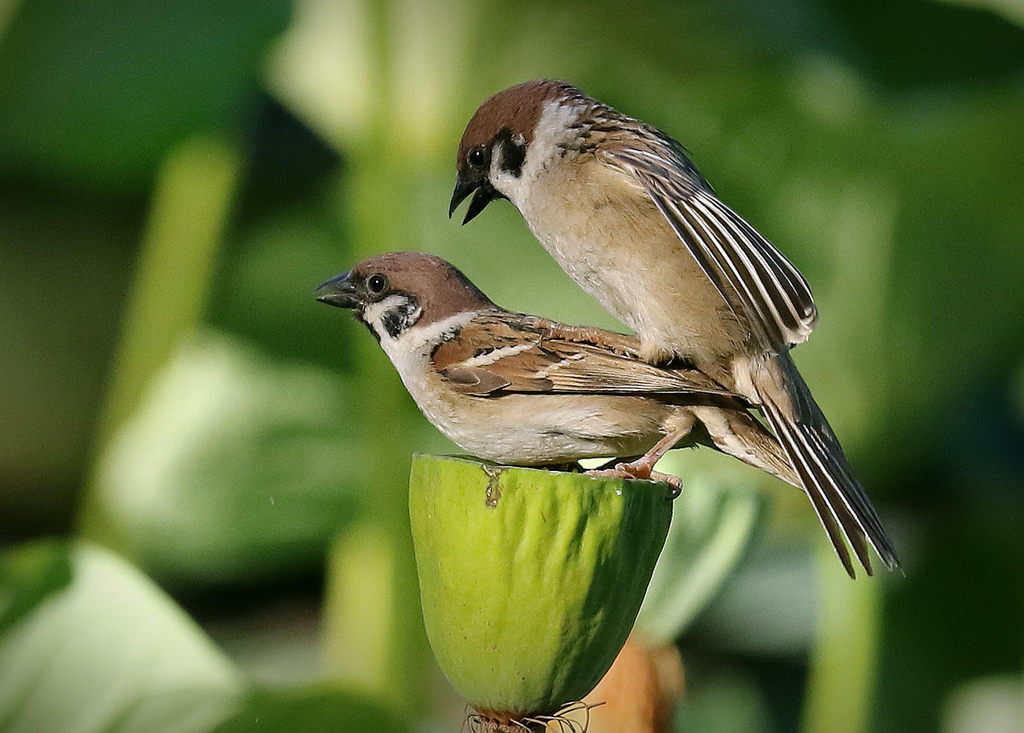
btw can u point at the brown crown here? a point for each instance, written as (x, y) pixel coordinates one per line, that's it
(517, 108)
(440, 288)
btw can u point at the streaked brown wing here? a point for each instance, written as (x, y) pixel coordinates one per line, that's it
(512, 353)
(591, 368)
(478, 360)
(751, 274)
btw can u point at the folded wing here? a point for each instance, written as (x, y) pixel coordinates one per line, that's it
(754, 278)
(495, 354)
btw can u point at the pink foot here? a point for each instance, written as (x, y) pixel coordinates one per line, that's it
(643, 471)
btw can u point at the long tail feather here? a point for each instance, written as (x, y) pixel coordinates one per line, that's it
(814, 451)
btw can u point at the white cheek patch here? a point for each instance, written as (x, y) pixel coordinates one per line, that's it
(410, 354)
(553, 129)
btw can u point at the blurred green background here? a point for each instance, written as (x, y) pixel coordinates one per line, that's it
(177, 177)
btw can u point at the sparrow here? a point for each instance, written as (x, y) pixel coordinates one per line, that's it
(625, 212)
(522, 390)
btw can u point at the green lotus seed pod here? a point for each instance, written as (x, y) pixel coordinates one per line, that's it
(530, 579)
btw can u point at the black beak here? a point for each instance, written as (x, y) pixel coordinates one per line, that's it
(485, 194)
(462, 189)
(339, 291)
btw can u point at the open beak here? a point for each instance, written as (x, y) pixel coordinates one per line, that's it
(339, 291)
(485, 194)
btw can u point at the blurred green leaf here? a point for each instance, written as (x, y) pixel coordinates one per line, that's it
(27, 576)
(713, 523)
(992, 704)
(97, 646)
(235, 467)
(310, 710)
(98, 91)
(109, 651)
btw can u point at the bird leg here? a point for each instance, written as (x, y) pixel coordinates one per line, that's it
(643, 467)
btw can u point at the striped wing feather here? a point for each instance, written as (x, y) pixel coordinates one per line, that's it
(504, 352)
(754, 278)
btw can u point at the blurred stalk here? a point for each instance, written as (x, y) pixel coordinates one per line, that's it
(372, 624)
(359, 620)
(190, 208)
(638, 694)
(373, 632)
(375, 79)
(840, 690)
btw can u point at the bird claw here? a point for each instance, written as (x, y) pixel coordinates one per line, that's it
(642, 471)
(674, 482)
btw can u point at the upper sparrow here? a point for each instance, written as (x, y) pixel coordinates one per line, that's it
(628, 216)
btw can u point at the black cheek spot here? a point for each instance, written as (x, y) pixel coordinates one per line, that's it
(394, 322)
(513, 154)
(512, 161)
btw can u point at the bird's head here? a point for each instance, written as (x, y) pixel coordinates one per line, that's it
(394, 292)
(498, 144)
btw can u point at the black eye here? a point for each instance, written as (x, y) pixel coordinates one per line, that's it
(376, 284)
(476, 157)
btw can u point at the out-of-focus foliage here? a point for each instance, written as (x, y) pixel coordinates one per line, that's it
(714, 521)
(165, 372)
(310, 710)
(232, 469)
(104, 649)
(96, 95)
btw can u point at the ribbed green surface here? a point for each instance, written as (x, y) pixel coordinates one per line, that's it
(530, 580)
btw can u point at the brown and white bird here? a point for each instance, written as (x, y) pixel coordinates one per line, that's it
(518, 389)
(628, 216)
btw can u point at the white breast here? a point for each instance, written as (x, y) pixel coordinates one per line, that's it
(516, 429)
(410, 354)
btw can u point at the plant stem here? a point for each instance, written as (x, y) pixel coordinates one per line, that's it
(190, 209)
(843, 663)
